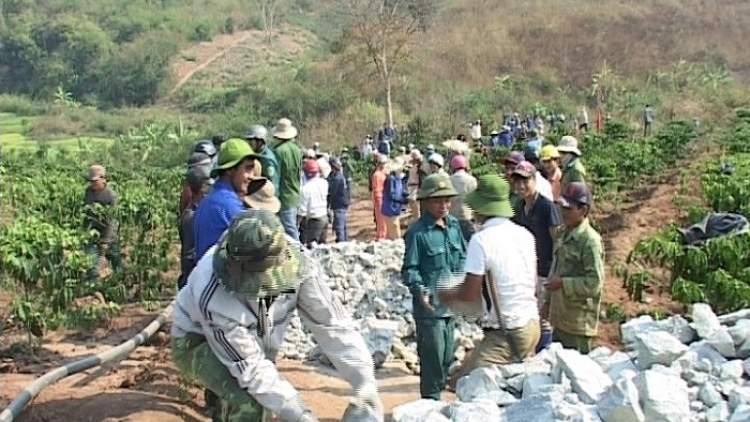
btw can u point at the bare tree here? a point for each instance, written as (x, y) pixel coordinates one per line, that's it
(268, 11)
(379, 36)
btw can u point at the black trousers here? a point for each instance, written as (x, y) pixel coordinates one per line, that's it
(314, 230)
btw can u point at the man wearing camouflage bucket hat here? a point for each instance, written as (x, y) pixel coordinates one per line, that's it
(501, 272)
(224, 336)
(435, 250)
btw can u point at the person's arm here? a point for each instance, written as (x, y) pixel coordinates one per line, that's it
(238, 348)
(554, 220)
(410, 268)
(590, 283)
(110, 230)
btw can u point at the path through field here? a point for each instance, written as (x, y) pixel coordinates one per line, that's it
(146, 387)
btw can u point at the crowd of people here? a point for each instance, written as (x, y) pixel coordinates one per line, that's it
(517, 247)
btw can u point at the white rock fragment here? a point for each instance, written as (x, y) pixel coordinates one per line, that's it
(738, 397)
(658, 347)
(709, 395)
(472, 412)
(534, 383)
(718, 413)
(423, 410)
(620, 403)
(586, 377)
(479, 381)
(705, 322)
(740, 332)
(722, 342)
(731, 370)
(741, 414)
(663, 398)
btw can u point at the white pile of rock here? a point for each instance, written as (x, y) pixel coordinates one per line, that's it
(673, 371)
(366, 277)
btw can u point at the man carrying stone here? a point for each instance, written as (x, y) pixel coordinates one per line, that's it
(435, 249)
(574, 289)
(503, 253)
(229, 323)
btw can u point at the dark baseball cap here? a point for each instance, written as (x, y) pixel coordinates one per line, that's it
(575, 194)
(513, 157)
(198, 158)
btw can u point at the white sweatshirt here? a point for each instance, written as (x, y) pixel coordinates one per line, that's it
(229, 324)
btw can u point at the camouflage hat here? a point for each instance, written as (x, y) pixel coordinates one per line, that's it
(436, 186)
(255, 259)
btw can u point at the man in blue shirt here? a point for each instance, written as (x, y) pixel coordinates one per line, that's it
(234, 168)
(339, 197)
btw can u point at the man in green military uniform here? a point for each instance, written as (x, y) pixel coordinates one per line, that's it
(574, 288)
(570, 158)
(256, 136)
(435, 249)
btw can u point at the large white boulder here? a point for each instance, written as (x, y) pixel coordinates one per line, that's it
(658, 347)
(586, 377)
(664, 398)
(620, 403)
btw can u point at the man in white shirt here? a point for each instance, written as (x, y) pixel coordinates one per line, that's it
(230, 318)
(503, 253)
(313, 205)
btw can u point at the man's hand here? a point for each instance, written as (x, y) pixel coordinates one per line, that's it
(368, 396)
(544, 312)
(554, 283)
(426, 303)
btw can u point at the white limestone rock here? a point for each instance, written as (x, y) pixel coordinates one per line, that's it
(663, 398)
(709, 395)
(423, 410)
(738, 397)
(534, 383)
(705, 322)
(379, 335)
(618, 364)
(499, 397)
(472, 412)
(731, 370)
(741, 413)
(658, 347)
(740, 332)
(722, 342)
(479, 381)
(718, 413)
(620, 403)
(586, 376)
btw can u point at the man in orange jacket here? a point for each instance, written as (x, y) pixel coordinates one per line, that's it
(378, 185)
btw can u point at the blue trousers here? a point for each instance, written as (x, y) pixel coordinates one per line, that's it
(288, 217)
(339, 224)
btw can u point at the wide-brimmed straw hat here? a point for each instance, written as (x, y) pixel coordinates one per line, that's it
(568, 144)
(284, 129)
(265, 198)
(491, 197)
(255, 259)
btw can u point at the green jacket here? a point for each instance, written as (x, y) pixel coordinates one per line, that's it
(432, 253)
(290, 172)
(578, 258)
(270, 167)
(572, 172)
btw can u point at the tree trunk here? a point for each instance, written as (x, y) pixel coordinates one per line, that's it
(388, 103)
